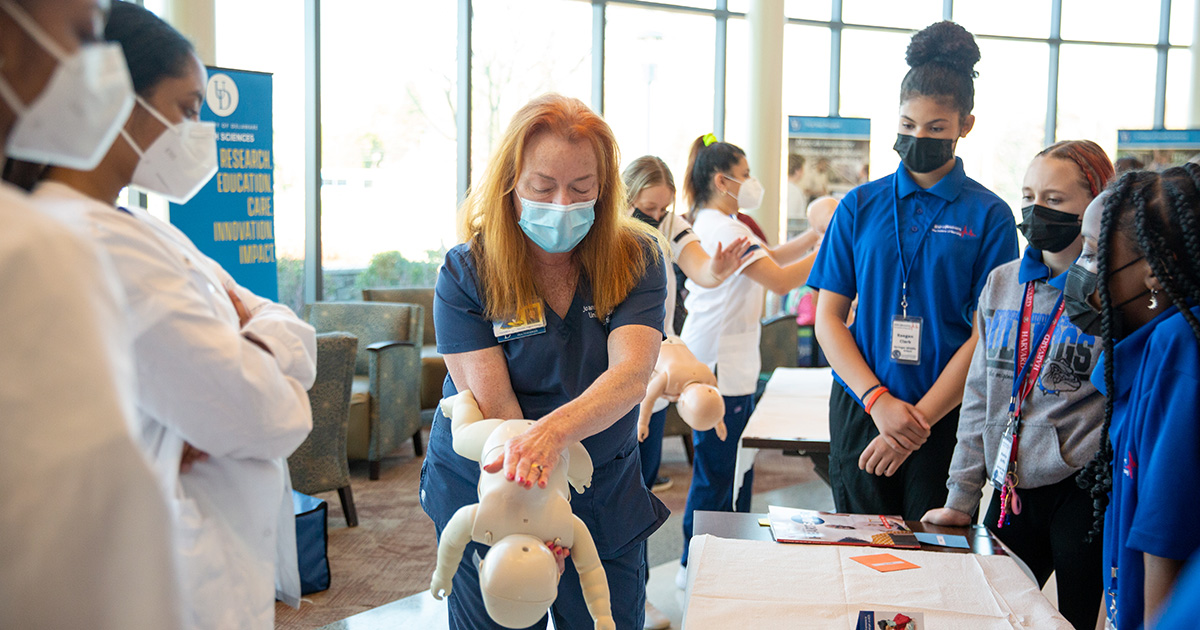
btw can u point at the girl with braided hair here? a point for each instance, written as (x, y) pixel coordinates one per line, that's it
(1028, 392)
(916, 248)
(1137, 286)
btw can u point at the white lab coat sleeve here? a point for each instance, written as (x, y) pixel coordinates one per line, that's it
(291, 340)
(198, 374)
(86, 528)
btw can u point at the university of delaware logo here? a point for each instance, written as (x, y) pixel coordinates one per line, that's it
(221, 95)
(954, 230)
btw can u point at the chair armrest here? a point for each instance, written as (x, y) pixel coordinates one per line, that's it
(384, 345)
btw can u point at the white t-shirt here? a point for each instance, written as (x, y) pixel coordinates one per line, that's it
(723, 327)
(85, 527)
(201, 380)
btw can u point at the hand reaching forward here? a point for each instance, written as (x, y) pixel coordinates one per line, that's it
(946, 516)
(727, 259)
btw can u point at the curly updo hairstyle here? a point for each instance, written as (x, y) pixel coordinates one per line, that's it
(941, 61)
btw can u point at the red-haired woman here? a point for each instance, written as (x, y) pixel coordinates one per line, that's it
(552, 310)
(1028, 396)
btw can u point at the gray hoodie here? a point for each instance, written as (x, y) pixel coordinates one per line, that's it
(1061, 418)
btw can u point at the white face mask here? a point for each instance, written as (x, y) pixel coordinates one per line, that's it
(180, 162)
(750, 195)
(76, 117)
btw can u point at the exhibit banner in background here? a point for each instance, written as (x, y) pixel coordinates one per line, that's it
(1157, 149)
(232, 219)
(835, 154)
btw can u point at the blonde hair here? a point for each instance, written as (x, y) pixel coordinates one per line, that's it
(613, 255)
(645, 172)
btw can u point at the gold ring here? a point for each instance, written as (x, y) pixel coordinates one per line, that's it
(539, 467)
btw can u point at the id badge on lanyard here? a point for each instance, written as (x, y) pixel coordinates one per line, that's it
(906, 334)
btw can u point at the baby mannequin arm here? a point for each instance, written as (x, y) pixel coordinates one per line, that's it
(654, 390)
(450, 550)
(579, 468)
(591, 577)
(467, 426)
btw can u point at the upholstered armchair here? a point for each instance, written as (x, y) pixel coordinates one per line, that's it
(433, 367)
(319, 464)
(385, 399)
(778, 343)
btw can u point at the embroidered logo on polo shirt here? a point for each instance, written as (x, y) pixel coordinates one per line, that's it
(954, 230)
(1130, 466)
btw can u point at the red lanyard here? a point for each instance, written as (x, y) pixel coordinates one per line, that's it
(1026, 371)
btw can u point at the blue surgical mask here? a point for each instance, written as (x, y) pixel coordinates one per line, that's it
(554, 227)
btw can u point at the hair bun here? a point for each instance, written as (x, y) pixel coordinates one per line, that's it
(946, 44)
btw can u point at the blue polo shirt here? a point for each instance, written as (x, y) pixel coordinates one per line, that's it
(1183, 609)
(1156, 446)
(548, 370)
(948, 237)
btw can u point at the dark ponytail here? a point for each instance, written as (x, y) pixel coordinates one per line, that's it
(1164, 228)
(153, 49)
(707, 158)
(942, 60)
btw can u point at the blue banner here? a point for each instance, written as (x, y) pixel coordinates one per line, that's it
(821, 127)
(232, 219)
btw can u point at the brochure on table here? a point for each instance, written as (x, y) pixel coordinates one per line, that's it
(793, 525)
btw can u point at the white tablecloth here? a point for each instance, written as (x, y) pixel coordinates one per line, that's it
(756, 584)
(795, 404)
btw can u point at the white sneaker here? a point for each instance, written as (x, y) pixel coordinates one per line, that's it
(655, 619)
(681, 578)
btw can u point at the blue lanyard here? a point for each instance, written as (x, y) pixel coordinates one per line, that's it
(905, 268)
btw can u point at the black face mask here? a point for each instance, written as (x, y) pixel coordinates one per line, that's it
(645, 218)
(1081, 284)
(1049, 230)
(923, 155)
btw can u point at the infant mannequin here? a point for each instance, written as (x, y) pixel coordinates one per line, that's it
(682, 379)
(519, 576)
(820, 213)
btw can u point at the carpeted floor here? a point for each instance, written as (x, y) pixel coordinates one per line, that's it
(393, 551)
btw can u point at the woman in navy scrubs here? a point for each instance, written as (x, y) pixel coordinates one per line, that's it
(1137, 285)
(552, 310)
(916, 248)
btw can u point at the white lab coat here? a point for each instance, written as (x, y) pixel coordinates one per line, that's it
(201, 380)
(84, 528)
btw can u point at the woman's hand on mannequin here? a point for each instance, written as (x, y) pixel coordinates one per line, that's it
(902, 425)
(880, 459)
(947, 517)
(530, 457)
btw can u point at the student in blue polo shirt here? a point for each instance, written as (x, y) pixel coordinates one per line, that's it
(916, 248)
(1137, 286)
(1029, 386)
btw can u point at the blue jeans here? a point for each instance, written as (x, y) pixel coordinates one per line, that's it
(651, 447)
(713, 468)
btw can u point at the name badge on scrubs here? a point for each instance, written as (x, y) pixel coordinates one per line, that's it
(1000, 469)
(906, 340)
(530, 320)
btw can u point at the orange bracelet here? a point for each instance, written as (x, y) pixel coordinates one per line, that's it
(875, 395)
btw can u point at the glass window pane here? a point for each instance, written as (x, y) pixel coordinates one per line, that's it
(880, 56)
(388, 150)
(1183, 14)
(658, 76)
(737, 84)
(1023, 18)
(1179, 81)
(805, 71)
(808, 9)
(1110, 21)
(239, 45)
(914, 14)
(1010, 116)
(1087, 109)
(511, 63)
(703, 4)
